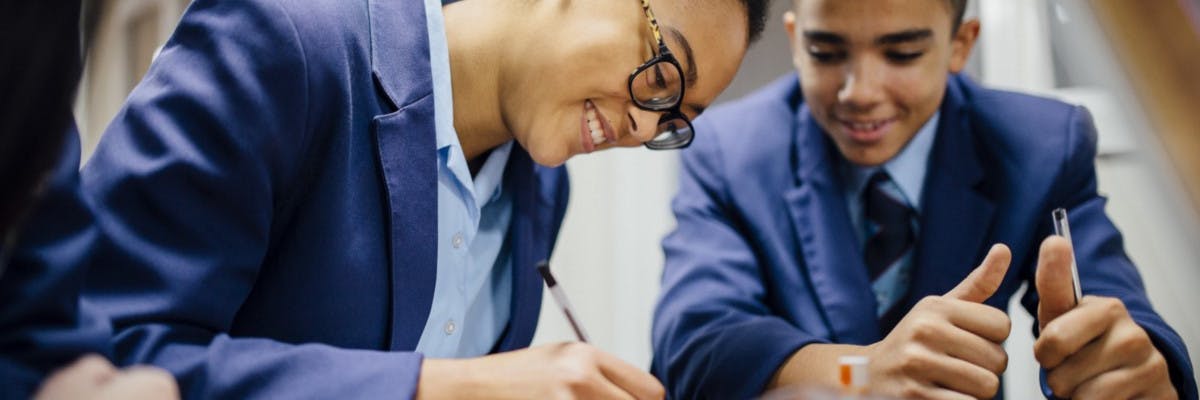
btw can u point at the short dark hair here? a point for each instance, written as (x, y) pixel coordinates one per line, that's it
(958, 8)
(756, 18)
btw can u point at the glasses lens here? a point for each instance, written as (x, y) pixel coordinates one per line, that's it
(674, 132)
(659, 86)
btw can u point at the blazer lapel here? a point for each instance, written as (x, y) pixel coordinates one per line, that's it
(406, 141)
(956, 214)
(829, 249)
(528, 239)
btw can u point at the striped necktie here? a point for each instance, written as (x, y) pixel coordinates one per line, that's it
(889, 248)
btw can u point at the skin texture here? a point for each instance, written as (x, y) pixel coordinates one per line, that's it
(946, 347)
(1093, 350)
(93, 377)
(524, 70)
(858, 78)
(855, 65)
(505, 88)
(557, 371)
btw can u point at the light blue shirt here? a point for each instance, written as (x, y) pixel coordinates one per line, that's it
(907, 170)
(473, 292)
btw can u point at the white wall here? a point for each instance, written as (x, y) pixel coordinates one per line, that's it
(123, 45)
(608, 258)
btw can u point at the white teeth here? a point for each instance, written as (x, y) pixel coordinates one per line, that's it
(594, 127)
(869, 126)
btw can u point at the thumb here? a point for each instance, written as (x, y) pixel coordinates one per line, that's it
(985, 279)
(1055, 288)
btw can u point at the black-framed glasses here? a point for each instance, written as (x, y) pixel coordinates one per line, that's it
(658, 85)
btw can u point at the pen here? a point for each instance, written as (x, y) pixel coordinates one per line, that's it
(1063, 228)
(561, 298)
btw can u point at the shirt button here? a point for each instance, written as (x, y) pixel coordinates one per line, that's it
(449, 328)
(457, 240)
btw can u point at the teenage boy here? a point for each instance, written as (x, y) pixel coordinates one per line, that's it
(840, 212)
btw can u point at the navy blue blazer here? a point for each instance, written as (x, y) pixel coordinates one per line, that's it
(764, 259)
(43, 325)
(269, 203)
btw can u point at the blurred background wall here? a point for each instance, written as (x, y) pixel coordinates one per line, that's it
(1131, 63)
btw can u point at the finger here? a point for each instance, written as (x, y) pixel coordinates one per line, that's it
(1070, 332)
(91, 367)
(976, 350)
(77, 380)
(1055, 287)
(983, 320)
(1119, 384)
(600, 388)
(985, 279)
(960, 376)
(937, 393)
(630, 379)
(140, 383)
(1082, 366)
(1155, 379)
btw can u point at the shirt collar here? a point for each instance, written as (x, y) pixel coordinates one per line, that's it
(488, 181)
(439, 60)
(907, 169)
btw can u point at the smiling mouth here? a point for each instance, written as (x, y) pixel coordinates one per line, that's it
(595, 129)
(867, 132)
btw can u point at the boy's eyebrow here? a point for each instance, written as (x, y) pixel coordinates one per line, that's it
(905, 36)
(824, 37)
(909, 35)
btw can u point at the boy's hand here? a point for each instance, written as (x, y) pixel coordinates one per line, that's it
(1093, 349)
(948, 347)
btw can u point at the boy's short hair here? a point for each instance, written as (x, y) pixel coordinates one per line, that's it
(958, 8)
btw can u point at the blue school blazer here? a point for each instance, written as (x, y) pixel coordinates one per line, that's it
(764, 259)
(43, 324)
(268, 200)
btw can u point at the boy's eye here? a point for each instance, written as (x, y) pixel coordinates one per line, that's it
(900, 56)
(822, 56)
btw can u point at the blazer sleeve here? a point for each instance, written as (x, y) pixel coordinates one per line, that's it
(43, 323)
(187, 180)
(1104, 268)
(714, 333)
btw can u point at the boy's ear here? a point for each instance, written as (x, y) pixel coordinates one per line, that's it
(789, 25)
(962, 43)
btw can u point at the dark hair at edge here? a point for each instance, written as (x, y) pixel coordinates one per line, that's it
(756, 18)
(958, 8)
